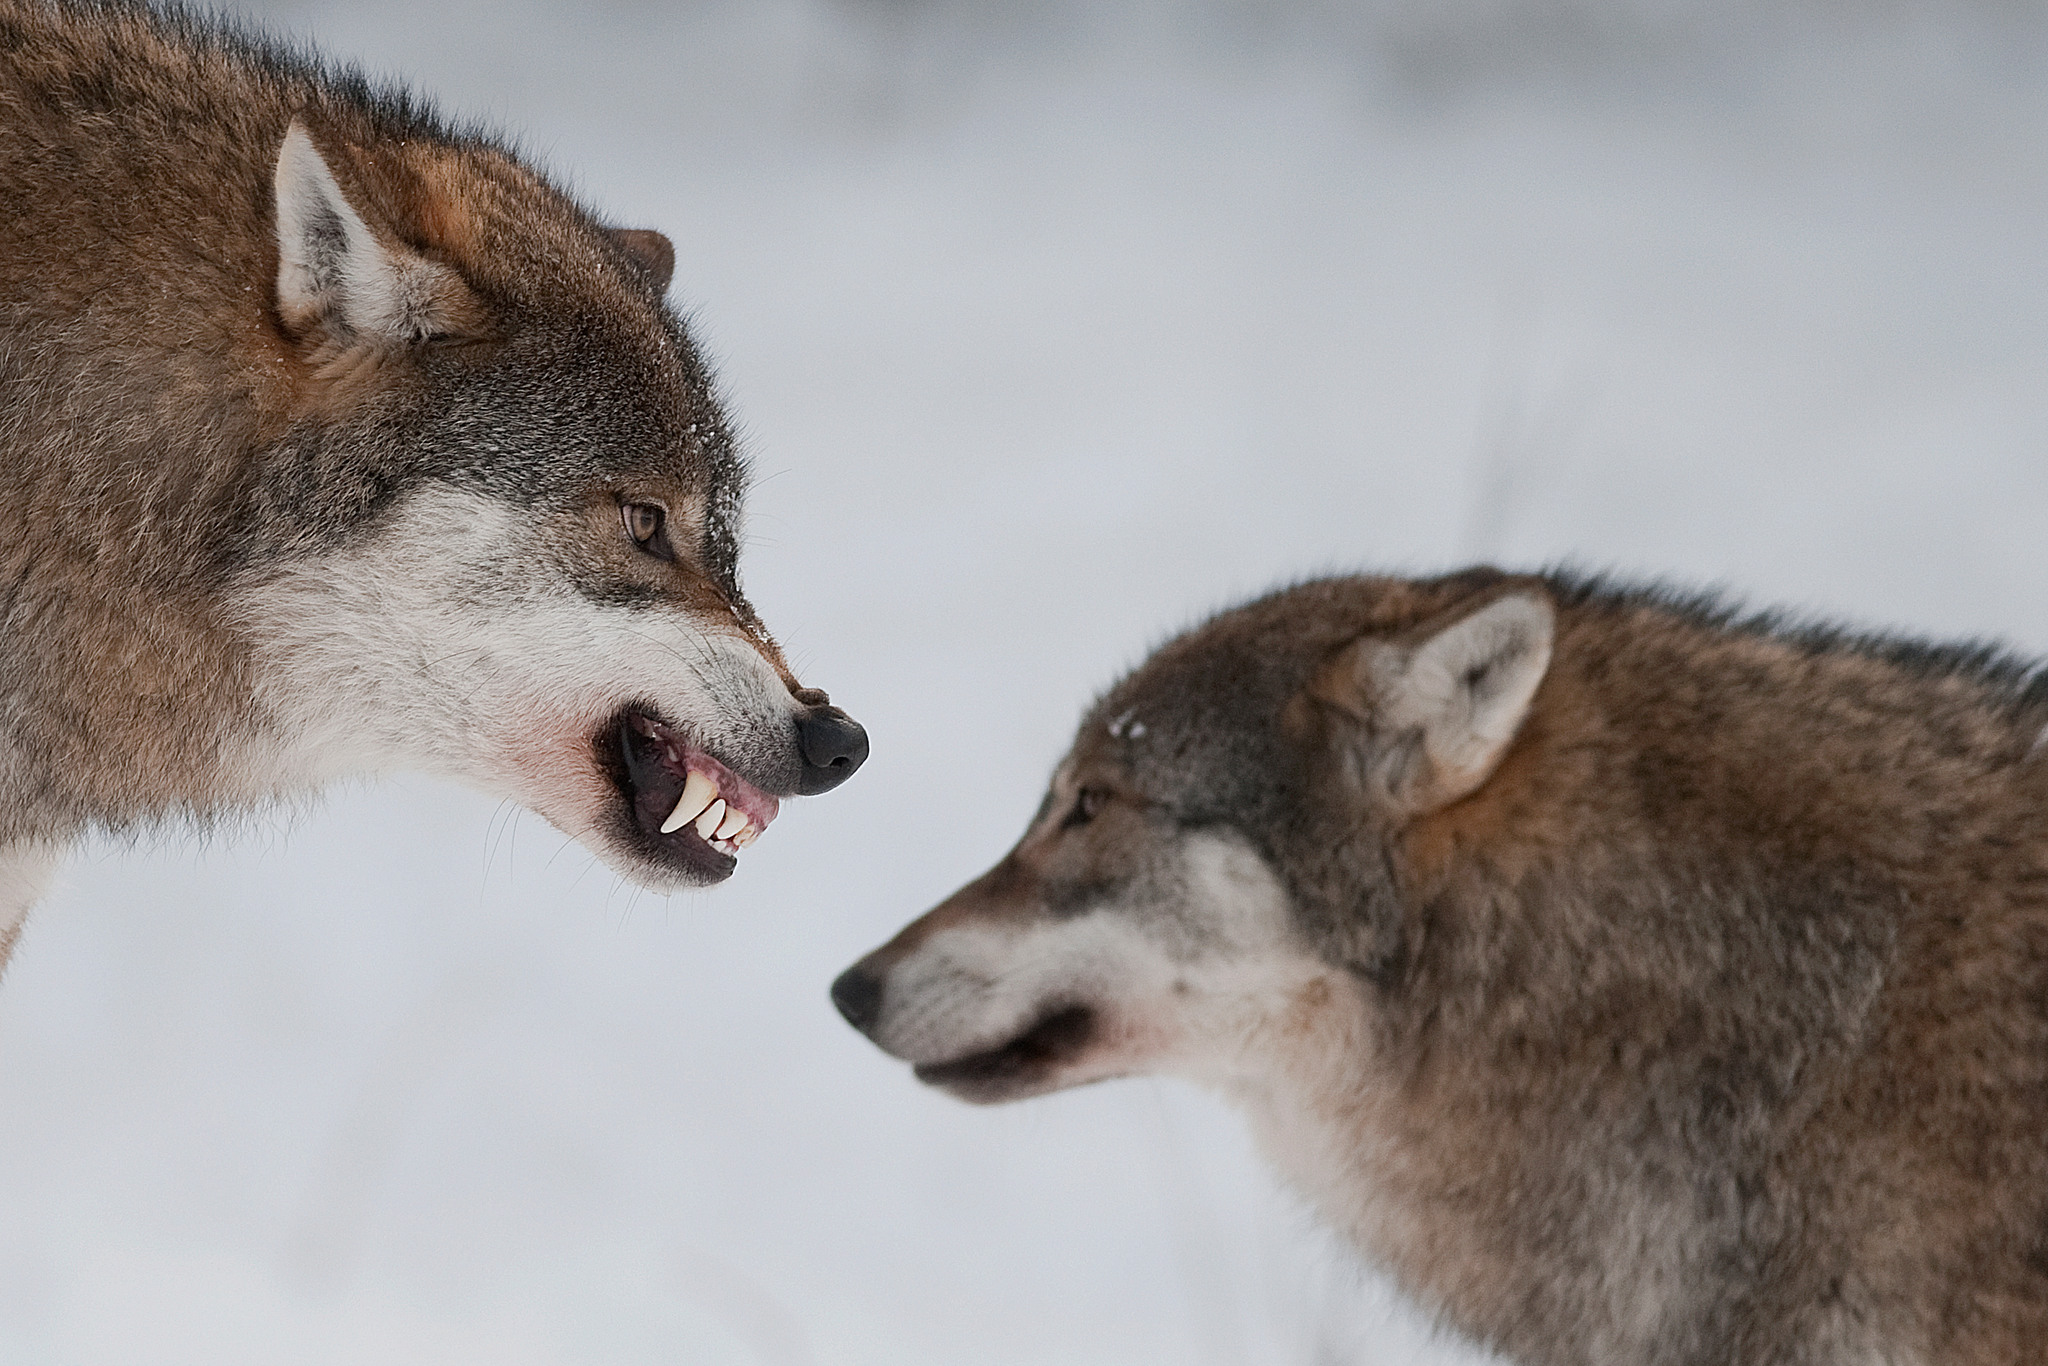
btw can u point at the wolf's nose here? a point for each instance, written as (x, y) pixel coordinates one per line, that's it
(858, 994)
(833, 745)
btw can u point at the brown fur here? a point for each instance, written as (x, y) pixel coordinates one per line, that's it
(1711, 1027)
(179, 432)
(143, 363)
(1755, 932)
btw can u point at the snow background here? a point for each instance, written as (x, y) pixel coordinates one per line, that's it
(1052, 327)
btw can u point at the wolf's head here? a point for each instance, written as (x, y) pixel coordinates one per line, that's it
(496, 536)
(1213, 864)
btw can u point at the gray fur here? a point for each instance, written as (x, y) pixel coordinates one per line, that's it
(1711, 1026)
(267, 330)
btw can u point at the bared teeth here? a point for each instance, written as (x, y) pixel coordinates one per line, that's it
(698, 791)
(708, 822)
(718, 822)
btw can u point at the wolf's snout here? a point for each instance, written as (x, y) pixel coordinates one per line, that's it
(833, 745)
(858, 994)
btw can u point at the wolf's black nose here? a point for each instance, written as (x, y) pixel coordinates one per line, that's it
(858, 994)
(833, 745)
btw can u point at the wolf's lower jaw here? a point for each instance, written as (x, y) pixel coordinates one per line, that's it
(1023, 1066)
(684, 808)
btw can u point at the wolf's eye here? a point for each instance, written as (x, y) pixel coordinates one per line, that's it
(647, 524)
(1086, 806)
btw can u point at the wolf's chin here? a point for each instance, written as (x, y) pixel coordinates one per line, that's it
(634, 866)
(1033, 1063)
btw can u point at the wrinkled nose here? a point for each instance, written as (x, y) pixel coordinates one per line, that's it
(833, 746)
(858, 994)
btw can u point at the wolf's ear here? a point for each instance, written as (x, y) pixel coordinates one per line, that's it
(337, 281)
(1444, 708)
(652, 252)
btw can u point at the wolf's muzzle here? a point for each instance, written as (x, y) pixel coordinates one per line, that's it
(833, 745)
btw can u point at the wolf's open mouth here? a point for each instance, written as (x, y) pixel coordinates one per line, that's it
(1018, 1066)
(686, 806)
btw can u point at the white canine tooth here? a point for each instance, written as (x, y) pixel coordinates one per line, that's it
(708, 822)
(734, 819)
(698, 789)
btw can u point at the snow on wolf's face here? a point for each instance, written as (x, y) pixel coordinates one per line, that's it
(501, 541)
(1113, 940)
(545, 654)
(1209, 880)
(1141, 924)
(1074, 959)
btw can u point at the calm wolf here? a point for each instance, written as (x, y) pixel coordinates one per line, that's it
(335, 440)
(1637, 982)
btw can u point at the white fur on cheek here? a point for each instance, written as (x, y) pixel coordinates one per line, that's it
(448, 645)
(1243, 994)
(1185, 978)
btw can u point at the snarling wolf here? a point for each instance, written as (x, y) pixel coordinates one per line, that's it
(1636, 981)
(333, 440)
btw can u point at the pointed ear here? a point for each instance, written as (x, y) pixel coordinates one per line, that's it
(652, 252)
(1445, 707)
(338, 281)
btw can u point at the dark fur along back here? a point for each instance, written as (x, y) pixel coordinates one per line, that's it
(136, 171)
(1639, 981)
(1713, 1027)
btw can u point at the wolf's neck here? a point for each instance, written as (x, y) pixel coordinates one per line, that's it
(25, 873)
(122, 699)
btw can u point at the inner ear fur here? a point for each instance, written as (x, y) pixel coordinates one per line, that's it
(344, 279)
(1441, 704)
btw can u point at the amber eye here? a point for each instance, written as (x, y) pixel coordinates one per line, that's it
(1087, 804)
(647, 524)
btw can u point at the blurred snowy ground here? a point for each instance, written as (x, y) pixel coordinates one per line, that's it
(1052, 327)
